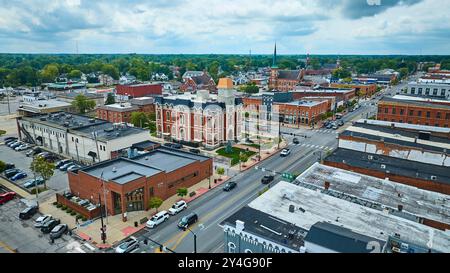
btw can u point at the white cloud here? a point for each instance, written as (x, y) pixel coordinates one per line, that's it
(218, 26)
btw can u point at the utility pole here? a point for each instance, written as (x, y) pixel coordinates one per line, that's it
(102, 229)
(104, 197)
(195, 238)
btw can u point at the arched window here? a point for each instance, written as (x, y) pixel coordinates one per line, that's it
(248, 251)
(231, 247)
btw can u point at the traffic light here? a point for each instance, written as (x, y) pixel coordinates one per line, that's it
(161, 248)
(145, 242)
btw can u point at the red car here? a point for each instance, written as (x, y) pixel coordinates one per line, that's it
(5, 197)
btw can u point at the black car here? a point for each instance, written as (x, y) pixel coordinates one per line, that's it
(11, 172)
(28, 212)
(229, 186)
(177, 146)
(9, 166)
(295, 141)
(58, 231)
(340, 122)
(187, 220)
(9, 139)
(267, 179)
(48, 226)
(194, 151)
(34, 151)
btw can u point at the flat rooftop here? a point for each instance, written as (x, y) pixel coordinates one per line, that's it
(411, 101)
(393, 165)
(323, 90)
(399, 125)
(44, 104)
(312, 206)
(268, 227)
(369, 191)
(119, 107)
(303, 103)
(397, 136)
(124, 170)
(108, 131)
(420, 99)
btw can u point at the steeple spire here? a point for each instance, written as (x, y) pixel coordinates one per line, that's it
(274, 60)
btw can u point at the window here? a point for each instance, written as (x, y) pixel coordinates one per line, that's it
(443, 92)
(231, 247)
(427, 91)
(411, 112)
(428, 114)
(447, 115)
(419, 113)
(420, 91)
(438, 115)
(435, 90)
(386, 110)
(402, 112)
(248, 251)
(413, 90)
(394, 111)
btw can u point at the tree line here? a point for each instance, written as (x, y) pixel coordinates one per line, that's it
(36, 69)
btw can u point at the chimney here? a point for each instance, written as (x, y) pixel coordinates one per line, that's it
(239, 225)
(400, 207)
(326, 185)
(291, 208)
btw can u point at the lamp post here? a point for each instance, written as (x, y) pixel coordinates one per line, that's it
(195, 238)
(103, 228)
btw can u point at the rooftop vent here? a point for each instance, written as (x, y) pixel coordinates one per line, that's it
(433, 177)
(114, 169)
(383, 166)
(291, 208)
(370, 157)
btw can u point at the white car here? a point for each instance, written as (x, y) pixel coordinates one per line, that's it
(285, 152)
(42, 219)
(22, 147)
(177, 207)
(157, 219)
(128, 245)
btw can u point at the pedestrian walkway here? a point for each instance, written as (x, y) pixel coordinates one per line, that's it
(16, 189)
(325, 131)
(325, 148)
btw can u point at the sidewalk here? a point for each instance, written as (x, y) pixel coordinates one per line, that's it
(117, 230)
(15, 188)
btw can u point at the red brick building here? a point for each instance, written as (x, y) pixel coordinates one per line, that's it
(414, 110)
(341, 94)
(139, 90)
(361, 90)
(131, 182)
(283, 80)
(121, 112)
(198, 82)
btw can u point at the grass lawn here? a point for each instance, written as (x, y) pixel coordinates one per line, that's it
(234, 155)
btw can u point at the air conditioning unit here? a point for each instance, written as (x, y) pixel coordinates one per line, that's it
(383, 166)
(396, 250)
(433, 177)
(370, 157)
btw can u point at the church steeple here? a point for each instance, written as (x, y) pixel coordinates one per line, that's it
(274, 60)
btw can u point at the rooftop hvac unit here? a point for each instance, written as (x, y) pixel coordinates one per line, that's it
(396, 250)
(383, 166)
(114, 169)
(433, 177)
(370, 157)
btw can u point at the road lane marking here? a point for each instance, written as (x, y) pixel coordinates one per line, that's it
(7, 247)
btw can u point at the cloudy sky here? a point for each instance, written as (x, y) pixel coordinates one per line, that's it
(226, 26)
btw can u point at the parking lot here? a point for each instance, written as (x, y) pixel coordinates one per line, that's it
(58, 182)
(21, 236)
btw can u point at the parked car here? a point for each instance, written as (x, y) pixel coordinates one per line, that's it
(335, 126)
(7, 196)
(18, 176)
(157, 219)
(194, 151)
(187, 220)
(177, 207)
(340, 122)
(329, 126)
(295, 140)
(285, 152)
(58, 231)
(267, 179)
(74, 167)
(229, 186)
(9, 166)
(34, 151)
(9, 139)
(10, 143)
(33, 182)
(66, 166)
(16, 144)
(11, 172)
(28, 212)
(48, 226)
(128, 245)
(22, 147)
(41, 220)
(61, 162)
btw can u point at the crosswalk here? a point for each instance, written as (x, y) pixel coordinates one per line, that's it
(325, 131)
(307, 145)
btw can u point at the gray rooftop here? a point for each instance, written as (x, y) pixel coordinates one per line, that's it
(369, 190)
(411, 101)
(392, 165)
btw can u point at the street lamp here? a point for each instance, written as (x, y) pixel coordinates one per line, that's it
(195, 238)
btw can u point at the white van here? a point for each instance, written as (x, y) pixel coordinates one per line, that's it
(157, 219)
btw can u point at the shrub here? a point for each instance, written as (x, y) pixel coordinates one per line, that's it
(58, 205)
(73, 213)
(83, 218)
(55, 203)
(64, 207)
(69, 210)
(79, 216)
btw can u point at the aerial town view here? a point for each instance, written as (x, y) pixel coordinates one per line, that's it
(193, 127)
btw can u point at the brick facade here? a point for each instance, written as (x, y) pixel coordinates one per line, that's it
(139, 90)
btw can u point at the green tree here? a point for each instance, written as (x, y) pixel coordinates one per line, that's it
(2, 166)
(243, 157)
(111, 70)
(155, 203)
(75, 74)
(49, 73)
(4, 72)
(41, 166)
(139, 119)
(83, 104)
(250, 88)
(151, 118)
(110, 99)
(182, 192)
(220, 171)
(403, 72)
(341, 73)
